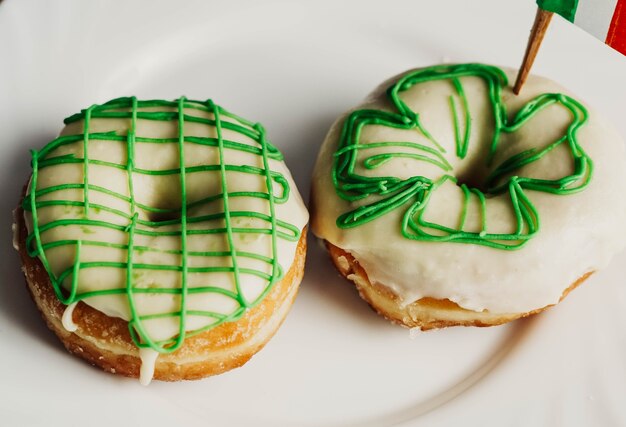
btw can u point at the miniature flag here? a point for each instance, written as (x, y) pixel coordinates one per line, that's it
(604, 19)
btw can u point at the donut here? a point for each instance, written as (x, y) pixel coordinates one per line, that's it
(449, 201)
(161, 239)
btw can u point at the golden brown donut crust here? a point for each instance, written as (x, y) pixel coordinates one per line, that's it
(426, 313)
(105, 341)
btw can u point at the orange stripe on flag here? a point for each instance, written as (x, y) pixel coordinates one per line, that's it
(616, 37)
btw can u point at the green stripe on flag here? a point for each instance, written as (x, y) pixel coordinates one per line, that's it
(565, 8)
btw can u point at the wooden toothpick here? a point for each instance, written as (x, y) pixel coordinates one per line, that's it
(542, 20)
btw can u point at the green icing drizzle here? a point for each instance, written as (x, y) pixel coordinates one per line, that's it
(131, 109)
(389, 192)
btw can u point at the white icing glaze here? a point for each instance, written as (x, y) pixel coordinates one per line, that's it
(415, 332)
(163, 191)
(579, 232)
(344, 265)
(67, 320)
(15, 231)
(148, 362)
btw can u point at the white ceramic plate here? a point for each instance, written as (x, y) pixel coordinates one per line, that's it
(294, 66)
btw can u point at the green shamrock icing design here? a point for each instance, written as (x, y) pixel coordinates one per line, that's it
(383, 194)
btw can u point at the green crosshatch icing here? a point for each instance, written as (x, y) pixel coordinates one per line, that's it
(173, 111)
(387, 193)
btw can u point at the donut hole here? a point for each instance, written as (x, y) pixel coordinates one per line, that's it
(162, 208)
(164, 216)
(473, 173)
(161, 195)
(472, 180)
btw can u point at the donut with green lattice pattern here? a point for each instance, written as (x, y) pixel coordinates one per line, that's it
(142, 220)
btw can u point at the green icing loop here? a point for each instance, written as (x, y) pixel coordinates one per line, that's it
(388, 193)
(130, 108)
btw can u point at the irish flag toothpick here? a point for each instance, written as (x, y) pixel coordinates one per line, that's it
(604, 19)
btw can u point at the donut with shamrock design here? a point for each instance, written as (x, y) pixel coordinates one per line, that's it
(448, 200)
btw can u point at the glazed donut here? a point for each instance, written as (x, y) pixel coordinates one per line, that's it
(161, 239)
(448, 200)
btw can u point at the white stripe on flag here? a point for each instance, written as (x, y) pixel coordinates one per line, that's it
(594, 16)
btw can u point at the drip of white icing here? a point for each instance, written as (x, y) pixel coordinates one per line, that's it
(14, 229)
(343, 263)
(148, 361)
(415, 332)
(67, 319)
